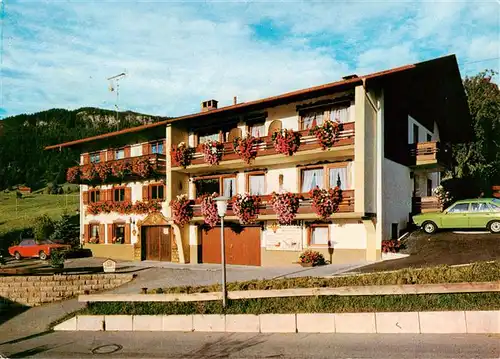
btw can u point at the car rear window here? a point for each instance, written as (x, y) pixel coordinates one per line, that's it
(494, 207)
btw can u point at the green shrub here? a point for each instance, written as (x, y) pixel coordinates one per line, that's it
(67, 230)
(57, 258)
(43, 227)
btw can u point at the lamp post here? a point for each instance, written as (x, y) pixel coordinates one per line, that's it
(221, 203)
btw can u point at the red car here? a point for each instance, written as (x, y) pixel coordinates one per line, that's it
(32, 248)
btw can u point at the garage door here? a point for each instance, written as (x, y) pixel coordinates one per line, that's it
(242, 246)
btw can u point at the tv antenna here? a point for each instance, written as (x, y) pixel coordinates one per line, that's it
(114, 86)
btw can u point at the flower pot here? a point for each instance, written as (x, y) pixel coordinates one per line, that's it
(306, 264)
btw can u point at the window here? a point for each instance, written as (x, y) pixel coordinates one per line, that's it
(119, 194)
(320, 236)
(340, 114)
(118, 233)
(27, 242)
(229, 187)
(429, 187)
(158, 192)
(207, 137)
(311, 119)
(340, 176)
(225, 185)
(317, 117)
(257, 184)
(415, 133)
(429, 137)
(94, 196)
(312, 178)
(328, 176)
(157, 147)
(95, 157)
(119, 154)
(459, 208)
(257, 129)
(480, 207)
(494, 207)
(496, 201)
(94, 231)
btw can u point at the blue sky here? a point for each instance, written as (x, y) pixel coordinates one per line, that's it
(177, 54)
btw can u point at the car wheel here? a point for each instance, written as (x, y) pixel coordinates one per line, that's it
(17, 255)
(429, 227)
(42, 255)
(494, 227)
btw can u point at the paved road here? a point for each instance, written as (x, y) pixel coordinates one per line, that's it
(220, 345)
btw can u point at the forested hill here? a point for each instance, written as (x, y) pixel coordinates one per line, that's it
(23, 137)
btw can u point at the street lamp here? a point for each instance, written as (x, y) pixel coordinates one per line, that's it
(221, 203)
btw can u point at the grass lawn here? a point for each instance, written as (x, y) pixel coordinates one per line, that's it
(478, 272)
(30, 206)
(319, 304)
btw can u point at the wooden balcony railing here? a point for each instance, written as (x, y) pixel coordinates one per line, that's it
(425, 205)
(429, 154)
(266, 147)
(346, 206)
(158, 167)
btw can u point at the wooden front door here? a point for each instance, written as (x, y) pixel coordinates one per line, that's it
(156, 242)
(242, 246)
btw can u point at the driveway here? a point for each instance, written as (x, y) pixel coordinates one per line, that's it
(161, 275)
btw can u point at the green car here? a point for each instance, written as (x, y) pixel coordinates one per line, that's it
(468, 213)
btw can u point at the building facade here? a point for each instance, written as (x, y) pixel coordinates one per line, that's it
(393, 131)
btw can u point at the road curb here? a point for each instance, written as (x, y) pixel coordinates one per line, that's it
(450, 322)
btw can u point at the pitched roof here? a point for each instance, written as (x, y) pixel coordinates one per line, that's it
(269, 101)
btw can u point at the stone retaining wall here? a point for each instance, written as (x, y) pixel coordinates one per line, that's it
(35, 290)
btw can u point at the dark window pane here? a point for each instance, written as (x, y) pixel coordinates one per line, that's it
(207, 186)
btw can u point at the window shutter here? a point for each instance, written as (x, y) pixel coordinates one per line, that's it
(127, 233)
(126, 151)
(128, 194)
(110, 233)
(145, 149)
(109, 195)
(102, 234)
(85, 197)
(164, 147)
(164, 191)
(86, 232)
(102, 156)
(86, 159)
(145, 193)
(110, 155)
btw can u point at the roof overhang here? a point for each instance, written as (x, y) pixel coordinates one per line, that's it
(438, 80)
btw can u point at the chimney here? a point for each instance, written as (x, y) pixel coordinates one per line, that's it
(235, 100)
(349, 77)
(208, 105)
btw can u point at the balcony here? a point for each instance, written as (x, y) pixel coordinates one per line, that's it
(425, 205)
(117, 171)
(305, 209)
(266, 154)
(430, 155)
